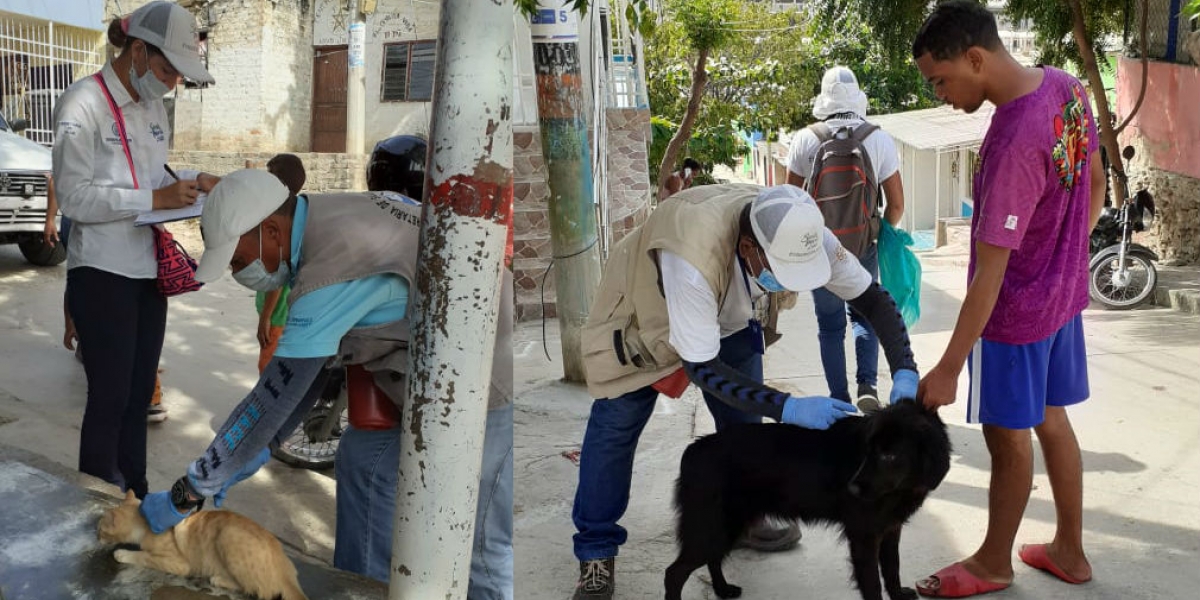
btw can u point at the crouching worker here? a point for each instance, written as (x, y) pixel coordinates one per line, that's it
(676, 304)
(350, 260)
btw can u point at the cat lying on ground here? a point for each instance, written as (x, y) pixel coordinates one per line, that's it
(229, 549)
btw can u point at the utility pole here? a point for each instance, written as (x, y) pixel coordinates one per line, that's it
(562, 119)
(464, 228)
(356, 79)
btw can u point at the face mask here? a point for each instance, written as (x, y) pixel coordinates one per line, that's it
(766, 279)
(148, 87)
(256, 277)
(768, 282)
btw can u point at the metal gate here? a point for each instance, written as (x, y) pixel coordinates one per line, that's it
(38, 60)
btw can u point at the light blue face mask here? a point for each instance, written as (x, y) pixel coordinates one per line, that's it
(148, 87)
(255, 275)
(767, 280)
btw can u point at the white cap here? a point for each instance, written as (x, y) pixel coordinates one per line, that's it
(839, 94)
(791, 230)
(172, 29)
(240, 202)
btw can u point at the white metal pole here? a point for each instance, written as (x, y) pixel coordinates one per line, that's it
(464, 230)
(356, 81)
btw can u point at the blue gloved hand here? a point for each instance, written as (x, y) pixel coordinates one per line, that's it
(251, 467)
(904, 385)
(160, 512)
(815, 412)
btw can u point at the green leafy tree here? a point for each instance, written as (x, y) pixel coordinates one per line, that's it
(764, 79)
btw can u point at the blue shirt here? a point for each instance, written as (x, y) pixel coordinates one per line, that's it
(318, 320)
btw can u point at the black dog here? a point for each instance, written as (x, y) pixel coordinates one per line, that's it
(868, 475)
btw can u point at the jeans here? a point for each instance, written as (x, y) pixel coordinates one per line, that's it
(831, 332)
(366, 467)
(123, 321)
(606, 460)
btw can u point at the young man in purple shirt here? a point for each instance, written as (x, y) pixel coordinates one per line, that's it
(1038, 193)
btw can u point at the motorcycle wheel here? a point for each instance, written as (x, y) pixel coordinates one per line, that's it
(1137, 288)
(314, 443)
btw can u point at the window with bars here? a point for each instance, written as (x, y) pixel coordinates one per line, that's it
(408, 71)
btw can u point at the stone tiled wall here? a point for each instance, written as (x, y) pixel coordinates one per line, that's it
(326, 172)
(629, 199)
(629, 190)
(531, 226)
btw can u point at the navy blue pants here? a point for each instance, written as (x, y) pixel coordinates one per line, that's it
(123, 321)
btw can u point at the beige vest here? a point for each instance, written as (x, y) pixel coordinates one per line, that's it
(356, 235)
(626, 341)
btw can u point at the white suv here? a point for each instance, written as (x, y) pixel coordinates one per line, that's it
(24, 168)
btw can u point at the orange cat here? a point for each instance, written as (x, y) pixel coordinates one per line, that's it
(232, 551)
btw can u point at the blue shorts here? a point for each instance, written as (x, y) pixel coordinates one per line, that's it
(1011, 385)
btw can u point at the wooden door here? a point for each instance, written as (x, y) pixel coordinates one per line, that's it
(329, 99)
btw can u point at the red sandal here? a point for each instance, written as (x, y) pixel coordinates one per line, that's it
(1035, 556)
(955, 581)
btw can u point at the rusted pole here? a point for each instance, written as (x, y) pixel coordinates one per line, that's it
(562, 120)
(464, 230)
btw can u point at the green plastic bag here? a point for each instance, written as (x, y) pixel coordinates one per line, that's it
(900, 271)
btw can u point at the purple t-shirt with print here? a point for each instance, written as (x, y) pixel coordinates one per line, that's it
(1032, 195)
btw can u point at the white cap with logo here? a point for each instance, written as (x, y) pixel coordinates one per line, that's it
(239, 203)
(791, 230)
(172, 29)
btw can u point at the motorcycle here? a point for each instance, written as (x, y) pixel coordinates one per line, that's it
(1121, 272)
(314, 443)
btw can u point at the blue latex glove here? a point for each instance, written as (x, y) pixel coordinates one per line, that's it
(904, 385)
(251, 467)
(160, 513)
(815, 412)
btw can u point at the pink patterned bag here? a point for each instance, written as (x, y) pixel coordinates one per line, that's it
(176, 270)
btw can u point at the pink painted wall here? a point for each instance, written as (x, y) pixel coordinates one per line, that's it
(1169, 120)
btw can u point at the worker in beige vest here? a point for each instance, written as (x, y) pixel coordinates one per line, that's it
(350, 259)
(676, 305)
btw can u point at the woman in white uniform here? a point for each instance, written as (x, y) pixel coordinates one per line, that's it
(110, 155)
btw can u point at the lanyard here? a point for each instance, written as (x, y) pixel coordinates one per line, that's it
(753, 325)
(120, 119)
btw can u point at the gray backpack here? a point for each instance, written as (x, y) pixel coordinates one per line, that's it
(844, 186)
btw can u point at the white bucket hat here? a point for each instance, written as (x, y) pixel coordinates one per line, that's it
(172, 29)
(839, 94)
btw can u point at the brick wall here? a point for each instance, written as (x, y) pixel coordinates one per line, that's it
(260, 53)
(326, 172)
(629, 199)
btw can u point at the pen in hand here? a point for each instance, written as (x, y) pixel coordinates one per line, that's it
(171, 173)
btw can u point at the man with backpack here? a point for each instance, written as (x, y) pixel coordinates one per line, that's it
(844, 163)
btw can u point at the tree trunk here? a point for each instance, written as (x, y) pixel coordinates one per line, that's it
(1108, 136)
(1142, 50)
(699, 80)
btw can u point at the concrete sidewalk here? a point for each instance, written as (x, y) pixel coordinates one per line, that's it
(1138, 434)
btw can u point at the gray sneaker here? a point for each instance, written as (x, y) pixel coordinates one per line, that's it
(597, 578)
(868, 399)
(770, 535)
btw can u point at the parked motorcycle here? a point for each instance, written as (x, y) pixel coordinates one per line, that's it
(1121, 273)
(314, 443)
